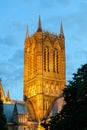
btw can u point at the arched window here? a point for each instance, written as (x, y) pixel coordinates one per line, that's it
(46, 59)
(30, 63)
(55, 61)
(34, 61)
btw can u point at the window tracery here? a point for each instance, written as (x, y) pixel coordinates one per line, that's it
(46, 59)
(55, 61)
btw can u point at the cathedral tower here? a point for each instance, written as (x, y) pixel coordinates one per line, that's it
(44, 71)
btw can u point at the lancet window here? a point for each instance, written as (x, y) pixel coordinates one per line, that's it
(46, 59)
(55, 61)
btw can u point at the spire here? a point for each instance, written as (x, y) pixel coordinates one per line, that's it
(8, 96)
(39, 29)
(27, 36)
(61, 30)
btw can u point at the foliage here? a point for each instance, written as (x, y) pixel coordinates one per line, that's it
(3, 122)
(73, 116)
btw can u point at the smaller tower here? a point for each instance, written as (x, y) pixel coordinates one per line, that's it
(2, 95)
(8, 97)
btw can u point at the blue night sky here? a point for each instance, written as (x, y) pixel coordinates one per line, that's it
(15, 15)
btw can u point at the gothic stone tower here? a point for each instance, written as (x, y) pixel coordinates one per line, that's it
(44, 71)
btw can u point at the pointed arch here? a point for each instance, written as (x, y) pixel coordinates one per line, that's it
(47, 47)
(56, 45)
(55, 60)
(46, 58)
(56, 56)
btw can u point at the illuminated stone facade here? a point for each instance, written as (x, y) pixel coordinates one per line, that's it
(44, 70)
(44, 81)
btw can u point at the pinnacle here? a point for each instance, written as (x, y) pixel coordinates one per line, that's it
(61, 30)
(8, 96)
(39, 25)
(27, 36)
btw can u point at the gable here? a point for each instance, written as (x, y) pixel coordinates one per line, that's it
(21, 108)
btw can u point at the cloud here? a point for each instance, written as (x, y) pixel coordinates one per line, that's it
(11, 72)
(17, 25)
(12, 68)
(18, 58)
(69, 66)
(81, 55)
(8, 40)
(53, 4)
(64, 2)
(15, 88)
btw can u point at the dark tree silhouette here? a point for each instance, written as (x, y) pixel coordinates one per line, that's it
(73, 116)
(3, 122)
